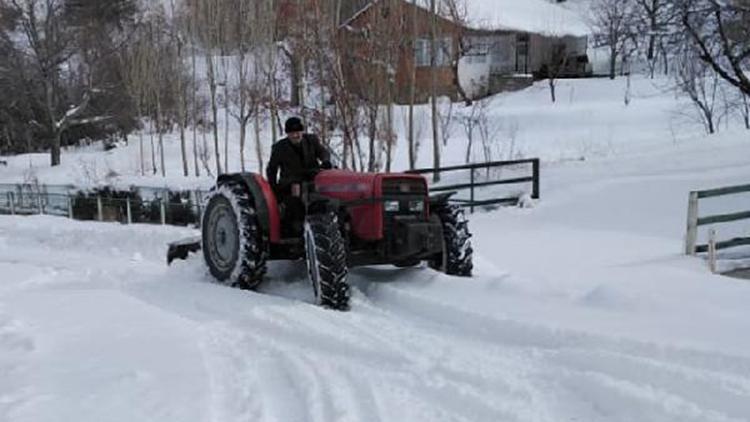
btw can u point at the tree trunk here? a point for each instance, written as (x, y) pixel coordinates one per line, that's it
(182, 112)
(258, 143)
(226, 114)
(183, 140)
(390, 134)
(195, 111)
(53, 129)
(552, 87)
(433, 94)
(243, 134)
(160, 131)
(140, 150)
(413, 89)
(214, 111)
(612, 63)
(153, 150)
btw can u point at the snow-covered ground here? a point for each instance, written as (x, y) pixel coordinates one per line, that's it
(582, 308)
(589, 121)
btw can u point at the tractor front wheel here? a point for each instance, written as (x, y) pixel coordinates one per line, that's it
(325, 251)
(456, 258)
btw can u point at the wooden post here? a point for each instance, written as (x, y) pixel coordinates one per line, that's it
(535, 169)
(472, 192)
(70, 207)
(712, 250)
(129, 211)
(164, 209)
(99, 208)
(198, 199)
(692, 224)
(39, 203)
(12, 203)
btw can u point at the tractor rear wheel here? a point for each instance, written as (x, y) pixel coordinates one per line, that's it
(232, 240)
(456, 258)
(325, 251)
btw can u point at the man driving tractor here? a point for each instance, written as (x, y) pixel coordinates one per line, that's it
(298, 158)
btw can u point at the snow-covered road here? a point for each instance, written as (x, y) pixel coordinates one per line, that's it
(582, 309)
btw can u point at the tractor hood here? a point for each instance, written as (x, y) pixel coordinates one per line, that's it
(351, 186)
(367, 216)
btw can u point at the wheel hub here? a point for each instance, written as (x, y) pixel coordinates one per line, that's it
(224, 242)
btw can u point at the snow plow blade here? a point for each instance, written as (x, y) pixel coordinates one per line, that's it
(182, 248)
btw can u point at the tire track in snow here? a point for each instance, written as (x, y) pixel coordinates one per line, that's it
(691, 380)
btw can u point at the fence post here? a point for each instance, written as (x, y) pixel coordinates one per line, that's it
(712, 250)
(198, 199)
(471, 195)
(70, 208)
(129, 211)
(535, 169)
(692, 224)
(12, 203)
(99, 208)
(39, 202)
(163, 209)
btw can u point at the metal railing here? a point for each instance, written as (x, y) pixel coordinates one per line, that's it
(694, 221)
(476, 181)
(161, 207)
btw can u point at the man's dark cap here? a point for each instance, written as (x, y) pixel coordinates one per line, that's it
(293, 124)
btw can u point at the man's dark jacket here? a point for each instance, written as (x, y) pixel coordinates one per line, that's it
(297, 163)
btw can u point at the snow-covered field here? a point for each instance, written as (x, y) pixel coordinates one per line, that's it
(582, 308)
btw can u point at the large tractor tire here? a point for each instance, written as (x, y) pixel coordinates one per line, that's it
(325, 250)
(232, 241)
(456, 258)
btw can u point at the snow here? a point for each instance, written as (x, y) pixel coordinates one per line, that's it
(582, 306)
(536, 16)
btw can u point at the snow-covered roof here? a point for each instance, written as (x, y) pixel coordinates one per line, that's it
(536, 16)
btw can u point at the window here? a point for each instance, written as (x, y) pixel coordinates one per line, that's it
(503, 53)
(443, 56)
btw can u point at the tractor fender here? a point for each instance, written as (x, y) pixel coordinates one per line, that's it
(319, 204)
(266, 206)
(440, 199)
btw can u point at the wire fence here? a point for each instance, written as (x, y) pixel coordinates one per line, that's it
(136, 205)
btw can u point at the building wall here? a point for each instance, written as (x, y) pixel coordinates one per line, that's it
(398, 18)
(399, 21)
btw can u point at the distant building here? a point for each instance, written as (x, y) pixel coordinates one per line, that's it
(492, 46)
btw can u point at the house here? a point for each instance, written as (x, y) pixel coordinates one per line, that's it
(491, 46)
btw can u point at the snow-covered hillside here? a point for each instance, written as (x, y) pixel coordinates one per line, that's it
(581, 309)
(589, 121)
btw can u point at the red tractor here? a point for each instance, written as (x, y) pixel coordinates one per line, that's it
(352, 219)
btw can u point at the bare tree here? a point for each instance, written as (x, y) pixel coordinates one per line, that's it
(656, 21)
(720, 31)
(612, 22)
(51, 48)
(556, 62)
(701, 85)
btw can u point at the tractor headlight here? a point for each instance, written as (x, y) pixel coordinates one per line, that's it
(392, 206)
(416, 206)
